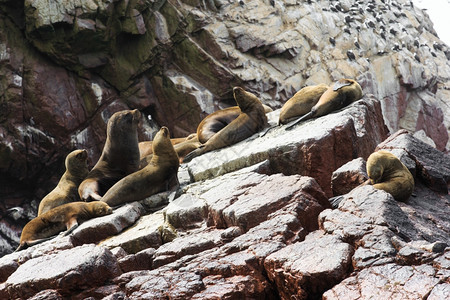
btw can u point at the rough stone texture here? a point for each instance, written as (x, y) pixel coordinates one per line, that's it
(389, 282)
(83, 266)
(348, 176)
(251, 234)
(304, 270)
(66, 66)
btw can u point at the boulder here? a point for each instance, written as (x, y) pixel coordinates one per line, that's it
(67, 270)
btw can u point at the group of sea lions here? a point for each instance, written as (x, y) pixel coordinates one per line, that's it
(128, 170)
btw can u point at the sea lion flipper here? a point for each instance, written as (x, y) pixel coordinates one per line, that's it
(341, 83)
(265, 131)
(293, 123)
(191, 155)
(71, 225)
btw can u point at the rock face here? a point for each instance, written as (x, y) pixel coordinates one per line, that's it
(251, 220)
(65, 67)
(249, 231)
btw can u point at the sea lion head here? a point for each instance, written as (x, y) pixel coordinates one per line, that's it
(162, 144)
(375, 166)
(100, 208)
(245, 100)
(123, 121)
(350, 87)
(76, 162)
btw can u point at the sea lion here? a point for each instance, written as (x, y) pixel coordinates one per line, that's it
(301, 103)
(341, 94)
(190, 144)
(151, 179)
(217, 120)
(251, 119)
(145, 147)
(66, 216)
(386, 172)
(120, 155)
(67, 189)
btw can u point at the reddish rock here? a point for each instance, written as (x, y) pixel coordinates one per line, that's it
(306, 269)
(47, 295)
(142, 260)
(348, 176)
(390, 281)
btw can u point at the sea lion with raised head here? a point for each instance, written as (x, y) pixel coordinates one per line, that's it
(340, 94)
(217, 120)
(66, 216)
(251, 119)
(188, 145)
(301, 103)
(386, 172)
(151, 179)
(67, 189)
(146, 149)
(120, 155)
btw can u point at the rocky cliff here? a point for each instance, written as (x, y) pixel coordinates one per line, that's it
(256, 224)
(66, 66)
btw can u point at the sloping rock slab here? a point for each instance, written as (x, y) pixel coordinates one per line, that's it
(390, 281)
(306, 269)
(97, 229)
(144, 234)
(313, 148)
(80, 267)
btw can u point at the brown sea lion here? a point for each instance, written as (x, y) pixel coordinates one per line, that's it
(67, 189)
(145, 147)
(190, 144)
(119, 158)
(251, 119)
(301, 103)
(151, 179)
(217, 120)
(337, 96)
(386, 172)
(66, 216)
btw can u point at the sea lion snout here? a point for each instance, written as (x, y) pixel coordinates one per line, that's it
(165, 131)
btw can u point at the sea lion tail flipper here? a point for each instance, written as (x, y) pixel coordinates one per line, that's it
(28, 244)
(293, 123)
(335, 201)
(192, 154)
(265, 131)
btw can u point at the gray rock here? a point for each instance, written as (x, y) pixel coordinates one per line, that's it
(86, 265)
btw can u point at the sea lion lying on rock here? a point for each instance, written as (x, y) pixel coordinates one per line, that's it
(151, 179)
(386, 172)
(217, 120)
(252, 118)
(120, 155)
(66, 216)
(337, 96)
(67, 189)
(301, 103)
